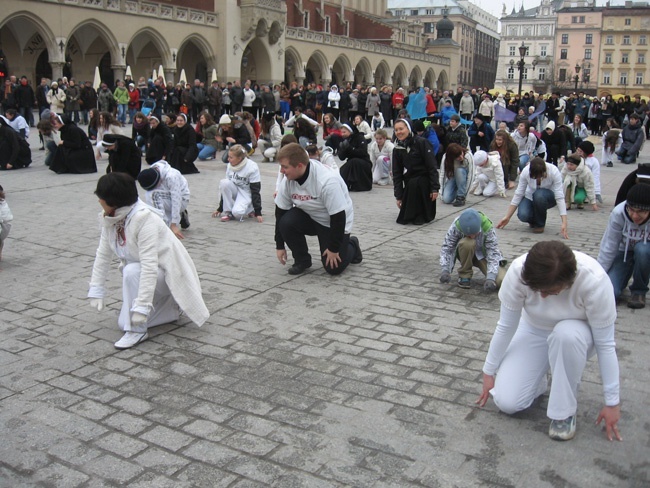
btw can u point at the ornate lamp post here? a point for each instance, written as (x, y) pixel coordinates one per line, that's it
(576, 78)
(521, 64)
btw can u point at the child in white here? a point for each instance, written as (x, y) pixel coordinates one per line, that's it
(5, 220)
(381, 155)
(578, 183)
(378, 121)
(489, 174)
(240, 189)
(363, 126)
(586, 151)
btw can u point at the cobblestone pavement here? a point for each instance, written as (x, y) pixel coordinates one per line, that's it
(366, 379)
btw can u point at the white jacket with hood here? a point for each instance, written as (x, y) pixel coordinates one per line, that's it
(621, 235)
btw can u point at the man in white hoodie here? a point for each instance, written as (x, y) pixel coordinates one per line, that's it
(625, 250)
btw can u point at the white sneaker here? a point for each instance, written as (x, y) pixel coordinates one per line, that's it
(563, 430)
(478, 192)
(130, 339)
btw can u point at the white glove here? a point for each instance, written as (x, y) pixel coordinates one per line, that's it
(138, 319)
(97, 303)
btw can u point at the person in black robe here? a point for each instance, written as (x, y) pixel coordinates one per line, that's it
(160, 142)
(124, 156)
(75, 151)
(14, 150)
(415, 176)
(185, 149)
(353, 149)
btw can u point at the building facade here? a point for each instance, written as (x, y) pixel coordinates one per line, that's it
(262, 40)
(475, 31)
(624, 50)
(535, 29)
(577, 48)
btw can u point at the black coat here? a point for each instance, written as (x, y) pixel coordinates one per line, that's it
(125, 158)
(357, 170)
(160, 144)
(14, 150)
(25, 97)
(185, 150)
(76, 154)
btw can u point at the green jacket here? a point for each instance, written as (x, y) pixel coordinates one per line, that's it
(121, 95)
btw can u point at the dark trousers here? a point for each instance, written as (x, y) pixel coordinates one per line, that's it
(533, 211)
(295, 225)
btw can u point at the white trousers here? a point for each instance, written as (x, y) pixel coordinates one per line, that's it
(164, 311)
(267, 149)
(522, 374)
(381, 169)
(162, 200)
(235, 201)
(489, 188)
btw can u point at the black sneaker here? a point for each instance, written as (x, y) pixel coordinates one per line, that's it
(185, 220)
(610, 164)
(358, 256)
(297, 268)
(459, 202)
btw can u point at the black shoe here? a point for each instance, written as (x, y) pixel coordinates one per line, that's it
(459, 202)
(358, 256)
(185, 220)
(41, 149)
(610, 164)
(297, 269)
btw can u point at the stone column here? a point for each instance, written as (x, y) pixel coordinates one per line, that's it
(118, 72)
(57, 70)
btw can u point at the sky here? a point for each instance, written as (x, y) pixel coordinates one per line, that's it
(495, 7)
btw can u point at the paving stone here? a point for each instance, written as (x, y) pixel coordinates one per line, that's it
(113, 468)
(120, 444)
(161, 461)
(167, 438)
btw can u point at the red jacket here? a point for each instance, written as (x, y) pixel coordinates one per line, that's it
(431, 105)
(134, 98)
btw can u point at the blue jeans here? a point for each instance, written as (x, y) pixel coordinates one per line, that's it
(121, 112)
(206, 151)
(533, 211)
(131, 115)
(456, 186)
(635, 265)
(625, 157)
(523, 161)
(141, 143)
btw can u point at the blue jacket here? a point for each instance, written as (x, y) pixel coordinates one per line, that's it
(430, 135)
(486, 129)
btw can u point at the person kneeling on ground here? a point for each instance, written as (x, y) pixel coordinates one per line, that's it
(240, 189)
(123, 155)
(578, 182)
(624, 250)
(557, 310)
(488, 179)
(313, 200)
(158, 276)
(472, 240)
(168, 191)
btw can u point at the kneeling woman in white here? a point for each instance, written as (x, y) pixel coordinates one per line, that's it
(158, 276)
(557, 309)
(240, 189)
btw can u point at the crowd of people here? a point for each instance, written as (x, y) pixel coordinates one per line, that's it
(443, 147)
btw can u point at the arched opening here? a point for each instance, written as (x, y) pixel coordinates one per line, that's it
(317, 68)
(256, 63)
(194, 56)
(430, 79)
(43, 68)
(105, 71)
(443, 81)
(87, 45)
(145, 53)
(363, 72)
(399, 77)
(382, 74)
(415, 80)
(292, 66)
(341, 70)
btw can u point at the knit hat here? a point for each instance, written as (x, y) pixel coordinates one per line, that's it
(225, 120)
(469, 222)
(148, 178)
(639, 196)
(418, 126)
(480, 157)
(587, 147)
(550, 125)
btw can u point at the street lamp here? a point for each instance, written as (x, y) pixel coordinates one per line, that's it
(576, 78)
(521, 64)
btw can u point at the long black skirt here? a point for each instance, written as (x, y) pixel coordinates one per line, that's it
(357, 174)
(417, 207)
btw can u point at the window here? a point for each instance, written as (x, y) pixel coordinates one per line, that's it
(625, 58)
(607, 78)
(511, 73)
(414, 12)
(586, 75)
(563, 53)
(541, 74)
(431, 11)
(562, 74)
(623, 79)
(347, 29)
(565, 38)
(399, 13)
(578, 19)
(587, 53)
(512, 31)
(641, 58)
(628, 21)
(327, 24)
(525, 73)
(639, 78)
(589, 39)
(609, 40)
(542, 50)
(608, 58)
(305, 20)
(429, 27)
(643, 40)
(513, 51)
(626, 40)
